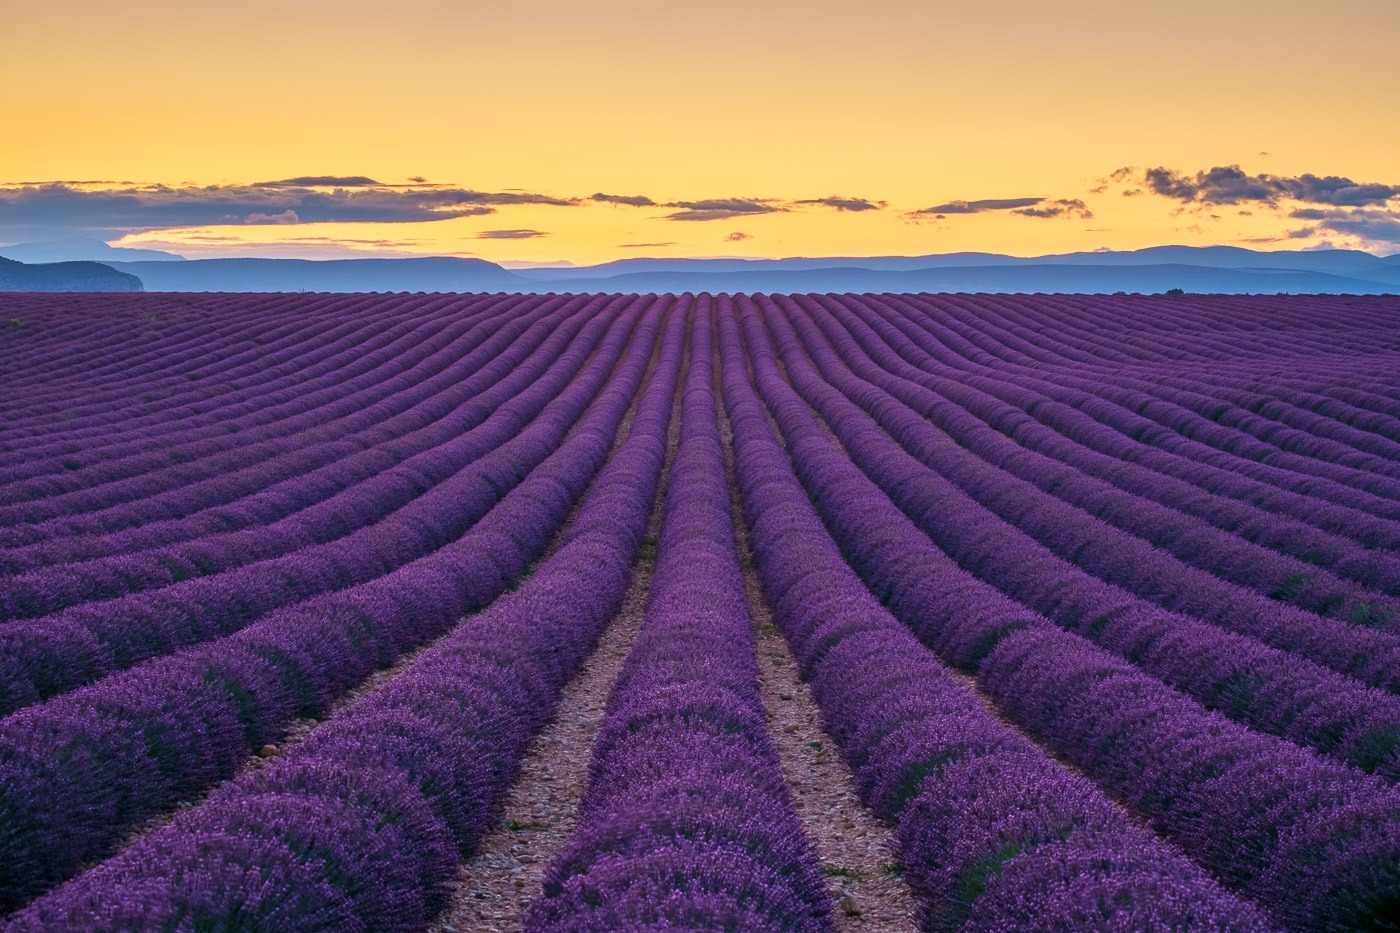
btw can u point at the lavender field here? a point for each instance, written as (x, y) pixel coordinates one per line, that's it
(373, 612)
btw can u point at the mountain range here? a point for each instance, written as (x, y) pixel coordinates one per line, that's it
(82, 249)
(1215, 269)
(426, 274)
(1193, 269)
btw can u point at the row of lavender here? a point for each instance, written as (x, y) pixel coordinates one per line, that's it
(1268, 688)
(361, 827)
(687, 822)
(253, 361)
(898, 486)
(158, 600)
(1316, 842)
(1361, 370)
(85, 764)
(350, 405)
(993, 833)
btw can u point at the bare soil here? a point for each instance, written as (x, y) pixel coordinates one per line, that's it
(496, 886)
(855, 848)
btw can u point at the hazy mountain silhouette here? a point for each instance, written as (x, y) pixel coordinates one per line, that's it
(1335, 262)
(1223, 269)
(1191, 268)
(82, 249)
(64, 277)
(428, 274)
(1025, 278)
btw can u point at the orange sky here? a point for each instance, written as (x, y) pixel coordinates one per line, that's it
(913, 104)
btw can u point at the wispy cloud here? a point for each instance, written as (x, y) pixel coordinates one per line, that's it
(644, 245)
(321, 181)
(976, 207)
(723, 208)
(845, 204)
(720, 208)
(1068, 208)
(510, 234)
(738, 236)
(200, 245)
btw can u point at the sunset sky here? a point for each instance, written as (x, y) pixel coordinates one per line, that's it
(730, 128)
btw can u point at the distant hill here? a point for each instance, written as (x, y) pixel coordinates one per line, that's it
(1388, 272)
(64, 277)
(1219, 269)
(83, 249)
(429, 274)
(1024, 278)
(1332, 262)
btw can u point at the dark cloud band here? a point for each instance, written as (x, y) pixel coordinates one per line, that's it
(1230, 184)
(630, 200)
(1374, 228)
(59, 207)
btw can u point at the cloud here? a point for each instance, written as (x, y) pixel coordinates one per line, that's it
(286, 217)
(738, 236)
(631, 200)
(722, 208)
(643, 245)
(58, 208)
(196, 246)
(74, 183)
(1368, 228)
(725, 208)
(184, 238)
(1230, 184)
(510, 234)
(977, 207)
(1227, 184)
(321, 181)
(1069, 208)
(846, 204)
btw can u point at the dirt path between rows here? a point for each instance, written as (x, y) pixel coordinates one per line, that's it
(497, 885)
(495, 888)
(855, 849)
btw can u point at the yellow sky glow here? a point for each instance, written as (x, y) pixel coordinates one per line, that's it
(911, 103)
